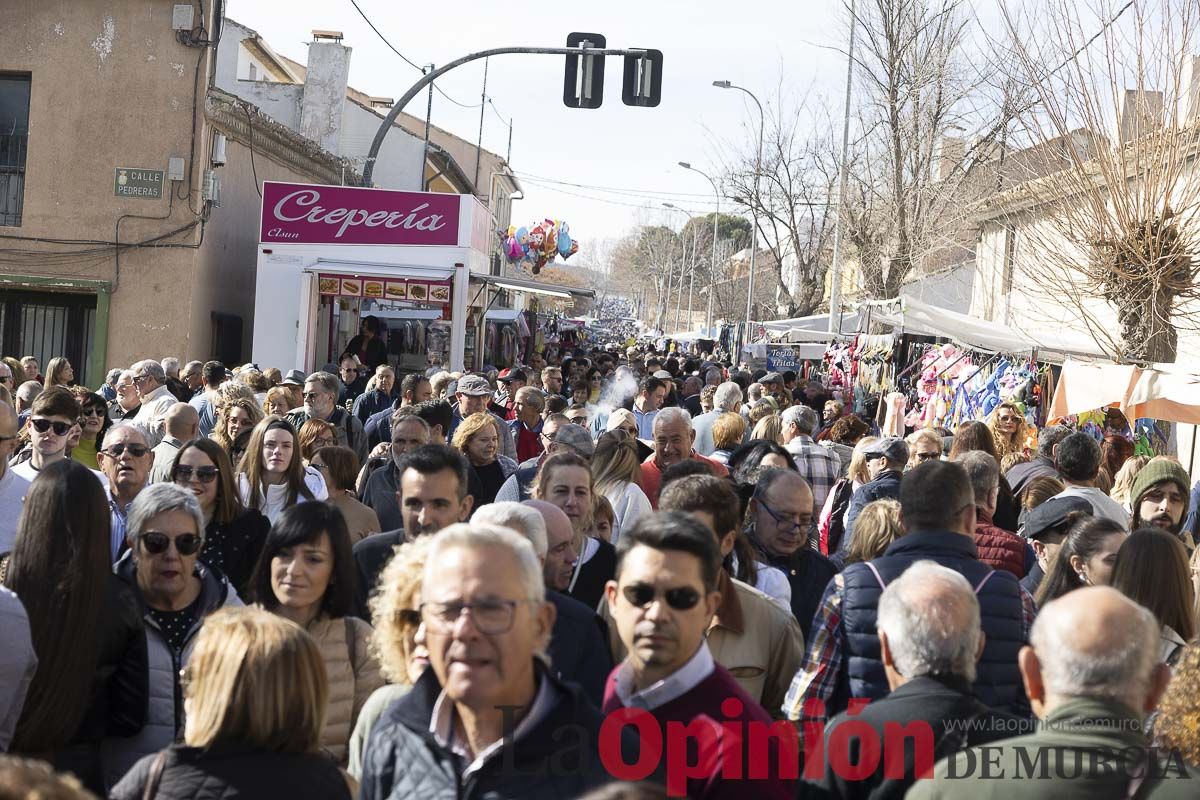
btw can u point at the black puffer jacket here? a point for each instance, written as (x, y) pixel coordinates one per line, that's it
(556, 759)
(224, 772)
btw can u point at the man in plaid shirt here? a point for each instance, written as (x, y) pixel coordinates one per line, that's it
(819, 466)
(937, 505)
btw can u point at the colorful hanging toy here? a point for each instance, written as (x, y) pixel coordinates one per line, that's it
(538, 244)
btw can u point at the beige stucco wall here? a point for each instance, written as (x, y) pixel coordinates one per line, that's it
(110, 87)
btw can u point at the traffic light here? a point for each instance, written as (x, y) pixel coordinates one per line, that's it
(583, 82)
(642, 82)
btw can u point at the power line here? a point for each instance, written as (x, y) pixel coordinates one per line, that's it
(649, 202)
(650, 193)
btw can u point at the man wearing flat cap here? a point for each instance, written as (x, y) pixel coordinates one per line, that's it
(885, 462)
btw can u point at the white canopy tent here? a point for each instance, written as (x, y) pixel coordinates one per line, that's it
(814, 328)
(914, 316)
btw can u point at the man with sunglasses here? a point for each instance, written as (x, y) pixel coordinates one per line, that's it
(150, 380)
(663, 599)
(12, 485)
(885, 463)
(6, 377)
(183, 425)
(53, 415)
(125, 459)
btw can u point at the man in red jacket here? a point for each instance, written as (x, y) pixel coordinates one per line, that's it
(662, 601)
(674, 438)
(998, 548)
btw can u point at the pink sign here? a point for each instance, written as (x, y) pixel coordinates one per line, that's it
(300, 213)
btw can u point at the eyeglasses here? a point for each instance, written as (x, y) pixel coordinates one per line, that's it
(1007, 418)
(324, 442)
(310, 395)
(5, 378)
(140, 378)
(91, 412)
(923, 457)
(320, 467)
(642, 595)
(491, 617)
(156, 543)
(793, 521)
(202, 474)
(119, 449)
(41, 425)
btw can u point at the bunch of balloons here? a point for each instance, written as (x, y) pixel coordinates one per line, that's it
(538, 243)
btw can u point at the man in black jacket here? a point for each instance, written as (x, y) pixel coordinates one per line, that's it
(781, 514)
(930, 638)
(487, 719)
(885, 462)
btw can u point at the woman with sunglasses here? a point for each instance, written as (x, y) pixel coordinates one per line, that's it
(272, 476)
(94, 423)
(595, 384)
(307, 574)
(233, 534)
(565, 480)
(175, 592)
(617, 473)
(1009, 430)
(87, 633)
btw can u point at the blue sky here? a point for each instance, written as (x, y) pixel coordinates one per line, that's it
(616, 147)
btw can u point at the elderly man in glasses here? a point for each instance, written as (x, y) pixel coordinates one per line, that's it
(780, 516)
(662, 600)
(488, 718)
(126, 460)
(150, 380)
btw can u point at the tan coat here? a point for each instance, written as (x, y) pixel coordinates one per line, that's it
(350, 684)
(360, 520)
(751, 636)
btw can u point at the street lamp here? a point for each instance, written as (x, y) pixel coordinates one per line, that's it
(753, 207)
(691, 277)
(713, 272)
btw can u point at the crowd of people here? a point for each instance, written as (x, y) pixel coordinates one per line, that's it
(630, 574)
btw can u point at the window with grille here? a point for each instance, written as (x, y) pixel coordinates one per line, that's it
(14, 141)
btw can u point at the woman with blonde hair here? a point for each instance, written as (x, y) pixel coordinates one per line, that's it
(729, 433)
(271, 476)
(831, 525)
(876, 527)
(478, 438)
(616, 475)
(398, 639)
(768, 429)
(237, 411)
(278, 401)
(248, 733)
(1123, 480)
(59, 372)
(1009, 430)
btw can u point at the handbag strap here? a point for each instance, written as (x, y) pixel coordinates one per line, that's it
(155, 777)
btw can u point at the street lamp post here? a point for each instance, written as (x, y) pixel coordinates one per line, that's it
(713, 269)
(691, 277)
(753, 207)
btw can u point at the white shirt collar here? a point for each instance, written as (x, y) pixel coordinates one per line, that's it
(441, 725)
(672, 687)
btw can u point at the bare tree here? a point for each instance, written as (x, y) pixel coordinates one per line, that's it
(1114, 229)
(791, 198)
(926, 125)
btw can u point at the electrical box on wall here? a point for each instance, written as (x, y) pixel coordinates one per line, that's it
(181, 17)
(175, 168)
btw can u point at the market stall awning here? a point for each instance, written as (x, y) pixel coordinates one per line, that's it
(533, 287)
(802, 328)
(1162, 392)
(915, 316)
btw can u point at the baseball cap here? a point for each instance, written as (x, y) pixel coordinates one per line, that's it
(891, 448)
(294, 377)
(577, 438)
(513, 374)
(473, 386)
(1051, 514)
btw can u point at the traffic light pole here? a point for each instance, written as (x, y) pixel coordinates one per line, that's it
(429, 78)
